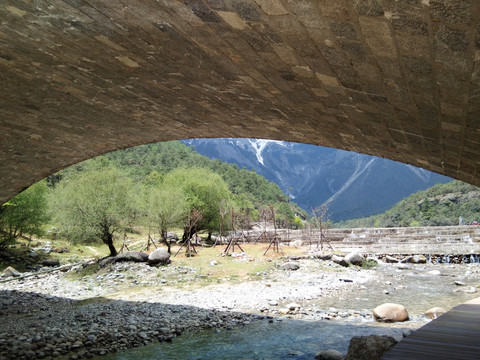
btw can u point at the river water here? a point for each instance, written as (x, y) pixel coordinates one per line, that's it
(287, 339)
(417, 287)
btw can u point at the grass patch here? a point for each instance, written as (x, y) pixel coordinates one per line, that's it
(369, 264)
(229, 268)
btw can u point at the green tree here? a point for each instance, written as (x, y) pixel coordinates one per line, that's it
(204, 191)
(284, 215)
(26, 213)
(165, 207)
(244, 211)
(94, 206)
(297, 223)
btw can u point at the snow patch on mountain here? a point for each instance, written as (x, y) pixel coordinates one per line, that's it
(359, 170)
(259, 145)
(421, 173)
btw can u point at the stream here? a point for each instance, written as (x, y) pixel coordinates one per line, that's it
(287, 339)
(417, 287)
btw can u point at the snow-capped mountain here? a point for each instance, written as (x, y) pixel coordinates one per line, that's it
(353, 185)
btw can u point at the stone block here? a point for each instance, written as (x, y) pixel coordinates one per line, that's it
(378, 36)
(458, 12)
(368, 7)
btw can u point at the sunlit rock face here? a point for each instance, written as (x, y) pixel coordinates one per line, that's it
(388, 78)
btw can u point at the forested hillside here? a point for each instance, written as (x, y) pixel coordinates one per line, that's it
(160, 186)
(442, 204)
(158, 159)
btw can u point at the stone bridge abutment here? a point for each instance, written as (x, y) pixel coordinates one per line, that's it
(392, 78)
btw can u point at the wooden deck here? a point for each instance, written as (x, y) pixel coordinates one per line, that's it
(454, 335)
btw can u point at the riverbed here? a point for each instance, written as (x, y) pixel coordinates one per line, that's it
(328, 322)
(164, 313)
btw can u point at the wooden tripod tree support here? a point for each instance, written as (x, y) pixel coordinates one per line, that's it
(321, 215)
(276, 246)
(274, 241)
(231, 246)
(194, 217)
(190, 248)
(324, 240)
(261, 238)
(233, 240)
(219, 240)
(124, 245)
(150, 241)
(264, 237)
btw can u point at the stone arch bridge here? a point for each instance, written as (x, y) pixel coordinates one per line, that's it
(393, 78)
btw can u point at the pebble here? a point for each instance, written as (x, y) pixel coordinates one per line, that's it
(143, 335)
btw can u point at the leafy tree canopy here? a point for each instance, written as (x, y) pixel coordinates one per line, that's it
(164, 206)
(204, 191)
(94, 205)
(26, 213)
(150, 163)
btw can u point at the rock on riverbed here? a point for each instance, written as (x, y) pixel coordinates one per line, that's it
(389, 312)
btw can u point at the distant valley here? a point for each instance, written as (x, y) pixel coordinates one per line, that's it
(353, 185)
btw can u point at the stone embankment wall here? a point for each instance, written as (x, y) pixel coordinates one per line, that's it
(439, 240)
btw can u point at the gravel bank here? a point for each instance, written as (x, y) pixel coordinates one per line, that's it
(42, 326)
(131, 304)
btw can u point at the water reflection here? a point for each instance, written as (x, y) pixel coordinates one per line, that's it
(288, 339)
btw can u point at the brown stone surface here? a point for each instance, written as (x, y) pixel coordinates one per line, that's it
(398, 79)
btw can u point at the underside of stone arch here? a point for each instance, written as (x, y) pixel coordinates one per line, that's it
(392, 78)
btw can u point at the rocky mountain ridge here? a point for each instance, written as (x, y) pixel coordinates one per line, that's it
(352, 185)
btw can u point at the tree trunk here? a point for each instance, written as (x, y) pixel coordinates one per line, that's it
(188, 232)
(113, 251)
(185, 235)
(165, 241)
(107, 238)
